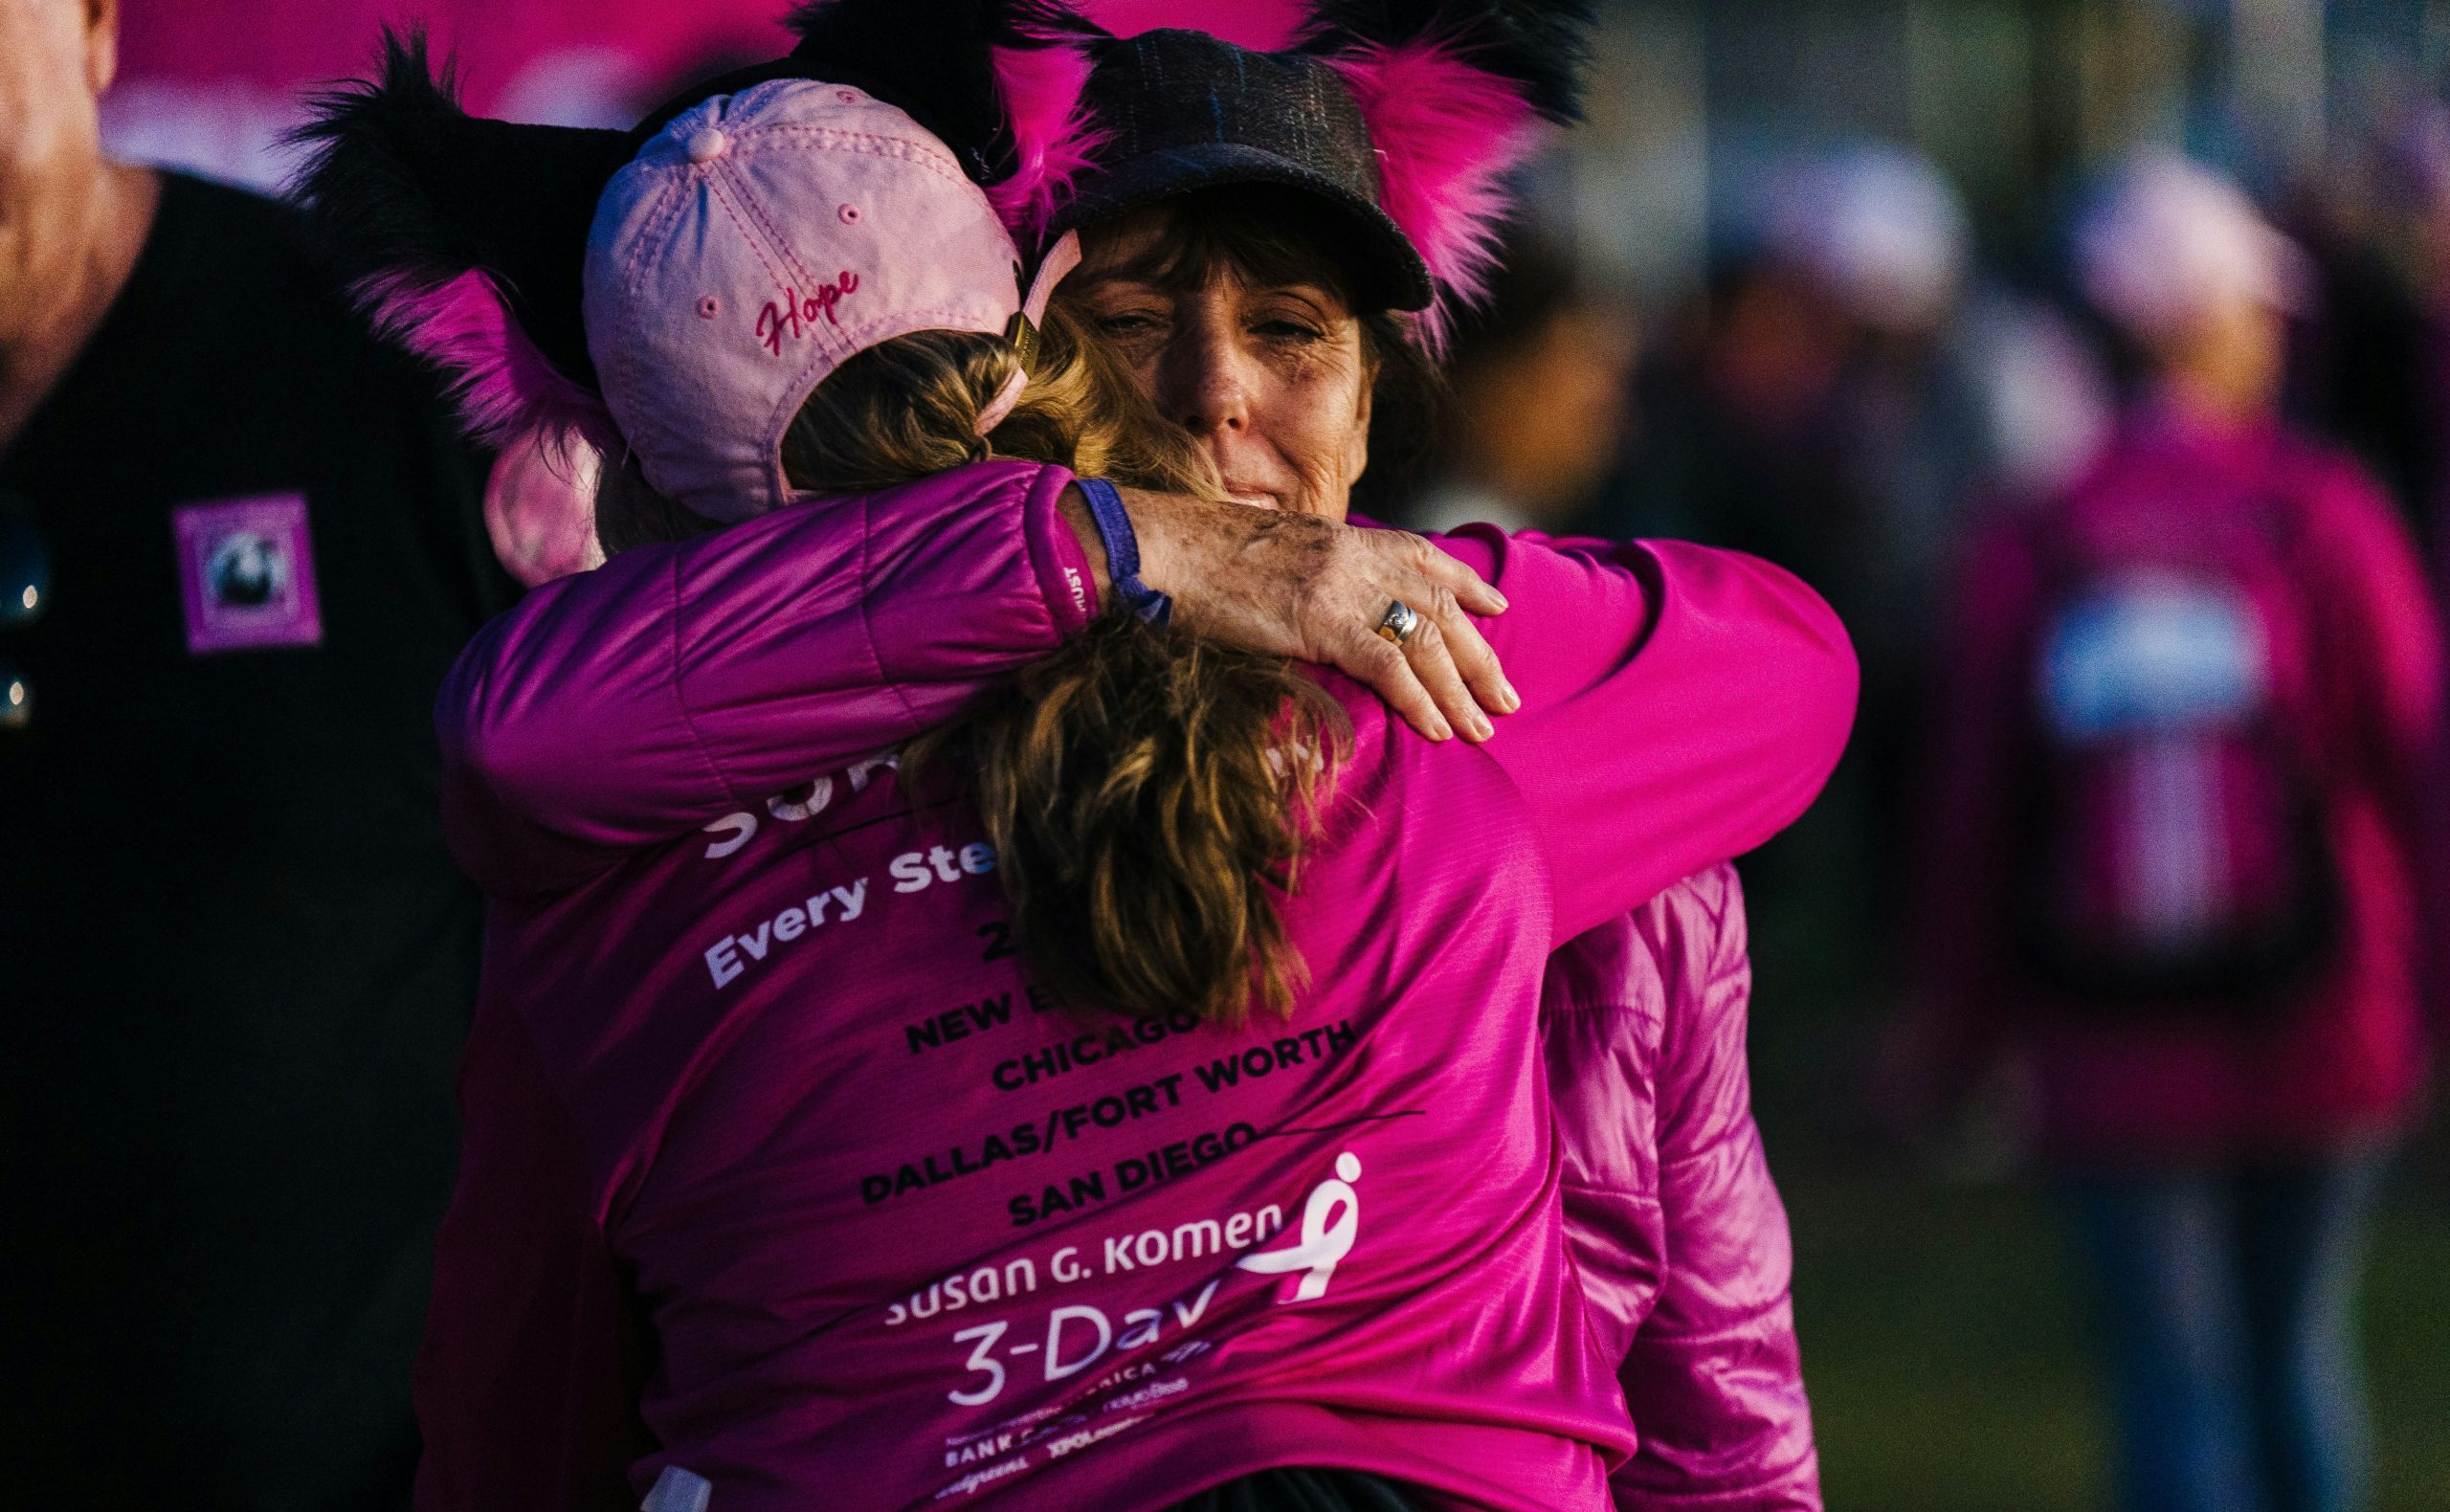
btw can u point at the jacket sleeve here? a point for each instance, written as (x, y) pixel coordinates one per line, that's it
(1603, 1001)
(1714, 1378)
(629, 705)
(527, 1385)
(2377, 590)
(2388, 689)
(1680, 704)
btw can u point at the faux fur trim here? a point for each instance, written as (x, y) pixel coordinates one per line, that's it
(1053, 139)
(1537, 47)
(442, 219)
(1453, 92)
(1446, 134)
(506, 388)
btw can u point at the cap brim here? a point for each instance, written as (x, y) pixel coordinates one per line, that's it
(1390, 272)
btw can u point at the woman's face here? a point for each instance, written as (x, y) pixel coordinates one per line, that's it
(1271, 379)
(2232, 358)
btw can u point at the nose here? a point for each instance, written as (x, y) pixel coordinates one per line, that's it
(1203, 380)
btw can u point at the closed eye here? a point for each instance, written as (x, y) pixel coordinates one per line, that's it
(1283, 330)
(1129, 322)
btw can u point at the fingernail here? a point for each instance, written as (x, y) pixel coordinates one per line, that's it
(1484, 727)
(1513, 699)
(1501, 602)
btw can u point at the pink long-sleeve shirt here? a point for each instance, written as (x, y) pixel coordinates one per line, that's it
(785, 1154)
(2346, 1060)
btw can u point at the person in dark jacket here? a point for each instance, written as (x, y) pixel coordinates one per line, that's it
(243, 542)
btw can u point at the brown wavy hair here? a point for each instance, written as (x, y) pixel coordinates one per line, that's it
(1149, 793)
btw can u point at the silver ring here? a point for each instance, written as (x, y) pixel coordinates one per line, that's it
(1398, 623)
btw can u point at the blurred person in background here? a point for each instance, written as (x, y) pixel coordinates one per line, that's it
(1879, 234)
(1814, 420)
(2171, 861)
(1538, 380)
(1816, 417)
(243, 543)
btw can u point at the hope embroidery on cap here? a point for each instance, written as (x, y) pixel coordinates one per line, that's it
(794, 313)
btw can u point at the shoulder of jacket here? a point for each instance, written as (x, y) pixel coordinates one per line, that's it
(1695, 921)
(996, 474)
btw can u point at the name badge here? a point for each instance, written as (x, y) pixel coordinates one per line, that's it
(247, 573)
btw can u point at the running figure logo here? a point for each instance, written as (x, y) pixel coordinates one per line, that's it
(1329, 1222)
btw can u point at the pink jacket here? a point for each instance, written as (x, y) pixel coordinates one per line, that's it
(1672, 1220)
(1173, 1267)
(2348, 1060)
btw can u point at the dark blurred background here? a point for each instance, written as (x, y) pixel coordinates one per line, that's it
(1800, 286)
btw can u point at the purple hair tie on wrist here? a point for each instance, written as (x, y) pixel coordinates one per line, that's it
(1123, 553)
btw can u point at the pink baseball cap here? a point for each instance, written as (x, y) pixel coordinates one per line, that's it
(755, 243)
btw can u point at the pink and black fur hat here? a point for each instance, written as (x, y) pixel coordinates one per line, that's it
(1401, 117)
(467, 236)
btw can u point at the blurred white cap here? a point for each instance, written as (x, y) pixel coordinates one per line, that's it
(1880, 228)
(2171, 241)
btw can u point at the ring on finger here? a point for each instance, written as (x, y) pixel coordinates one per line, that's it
(1398, 623)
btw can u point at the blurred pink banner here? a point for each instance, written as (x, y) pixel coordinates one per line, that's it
(281, 44)
(211, 85)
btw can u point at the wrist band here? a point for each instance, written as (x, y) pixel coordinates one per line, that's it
(1123, 553)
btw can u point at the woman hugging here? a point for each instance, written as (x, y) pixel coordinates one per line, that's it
(985, 676)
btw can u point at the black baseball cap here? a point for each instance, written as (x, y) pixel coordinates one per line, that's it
(1183, 111)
